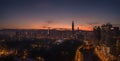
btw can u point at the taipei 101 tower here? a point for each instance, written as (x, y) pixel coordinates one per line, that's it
(73, 28)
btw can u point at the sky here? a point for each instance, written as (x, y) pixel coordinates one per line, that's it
(41, 14)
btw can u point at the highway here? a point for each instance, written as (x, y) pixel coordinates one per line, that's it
(86, 53)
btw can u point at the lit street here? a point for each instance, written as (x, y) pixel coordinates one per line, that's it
(87, 54)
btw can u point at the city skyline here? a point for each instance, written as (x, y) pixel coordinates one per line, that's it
(41, 14)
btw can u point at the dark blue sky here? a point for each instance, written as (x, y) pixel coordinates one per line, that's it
(57, 13)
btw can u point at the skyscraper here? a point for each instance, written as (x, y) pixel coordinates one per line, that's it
(73, 27)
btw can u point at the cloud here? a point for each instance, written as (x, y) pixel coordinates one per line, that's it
(44, 26)
(49, 22)
(93, 23)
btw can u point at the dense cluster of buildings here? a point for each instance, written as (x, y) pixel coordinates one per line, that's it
(20, 34)
(108, 39)
(105, 38)
(30, 44)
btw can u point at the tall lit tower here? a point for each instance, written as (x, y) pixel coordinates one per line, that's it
(48, 32)
(73, 27)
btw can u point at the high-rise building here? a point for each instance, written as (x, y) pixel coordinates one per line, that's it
(73, 28)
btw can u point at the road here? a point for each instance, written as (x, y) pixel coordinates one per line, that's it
(89, 55)
(86, 54)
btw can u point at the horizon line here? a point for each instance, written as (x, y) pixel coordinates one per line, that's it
(43, 29)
